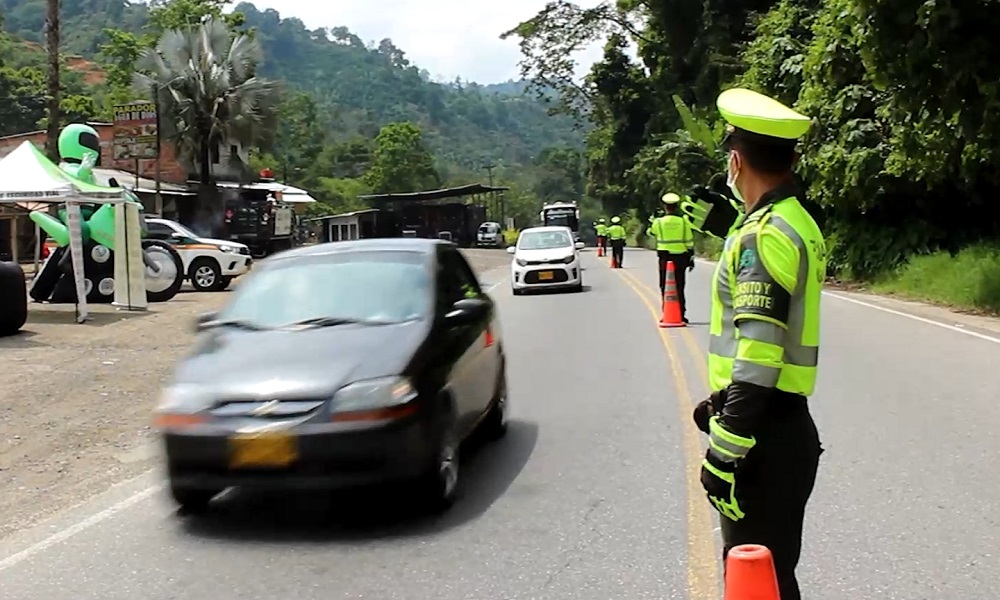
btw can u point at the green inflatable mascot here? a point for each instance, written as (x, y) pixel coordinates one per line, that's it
(79, 153)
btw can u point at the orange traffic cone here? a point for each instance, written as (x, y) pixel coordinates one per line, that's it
(750, 574)
(671, 303)
(600, 251)
(614, 263)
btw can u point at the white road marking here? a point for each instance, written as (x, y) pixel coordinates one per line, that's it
(78, 527)
(974, 334)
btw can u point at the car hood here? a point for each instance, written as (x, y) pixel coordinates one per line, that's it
(300, 364)
(221, 242)
(546, 255)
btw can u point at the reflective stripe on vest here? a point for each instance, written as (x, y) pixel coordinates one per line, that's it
(797, 350)
(672, 234)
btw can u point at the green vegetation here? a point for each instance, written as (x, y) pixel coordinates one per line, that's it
(338, 95)
(903, 166)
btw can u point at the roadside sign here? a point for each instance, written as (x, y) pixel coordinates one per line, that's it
(135, 131)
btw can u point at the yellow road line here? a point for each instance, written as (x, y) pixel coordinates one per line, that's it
(697, 352)
(703, 567)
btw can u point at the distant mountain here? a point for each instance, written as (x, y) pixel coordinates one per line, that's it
(358, 87)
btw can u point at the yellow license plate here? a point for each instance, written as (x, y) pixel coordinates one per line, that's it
(545, 275)
(265, 449)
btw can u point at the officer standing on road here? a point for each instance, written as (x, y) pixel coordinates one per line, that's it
(602, 234)
(674, 243)
(616, 235)
(763, 445)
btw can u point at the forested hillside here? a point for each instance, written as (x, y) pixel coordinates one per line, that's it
(352, 91)
(904, 160)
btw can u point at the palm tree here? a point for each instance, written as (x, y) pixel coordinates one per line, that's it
(210, 99)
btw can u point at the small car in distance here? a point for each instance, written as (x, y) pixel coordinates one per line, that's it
(338, 365)
(490, 235)
(545, 258)
(209, 264)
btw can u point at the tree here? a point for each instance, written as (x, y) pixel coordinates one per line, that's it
(401, 161)
(210, 98)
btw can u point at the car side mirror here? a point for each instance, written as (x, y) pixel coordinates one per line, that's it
(511, 249)
(466, 311)
(580, 245)
(204, 320)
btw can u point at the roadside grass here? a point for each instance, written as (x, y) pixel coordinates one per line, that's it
(969, 280)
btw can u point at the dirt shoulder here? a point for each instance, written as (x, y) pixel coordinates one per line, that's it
(75, 400)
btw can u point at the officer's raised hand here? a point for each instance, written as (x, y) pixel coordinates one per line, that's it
(710, 212)
(719, 469)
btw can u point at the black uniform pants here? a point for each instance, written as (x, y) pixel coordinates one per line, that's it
(681, 262)
(618, 251)
(773, 486)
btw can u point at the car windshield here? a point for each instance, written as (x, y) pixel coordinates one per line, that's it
(318, 291)
(184, 230)
(544, 240)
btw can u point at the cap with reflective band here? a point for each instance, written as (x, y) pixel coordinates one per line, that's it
(671, 198)
(747, 110)
(615, 220)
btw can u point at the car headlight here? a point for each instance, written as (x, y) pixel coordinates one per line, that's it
(181, 398)
(229, 249)
(371, 394)
(521, 262)
(569, 259)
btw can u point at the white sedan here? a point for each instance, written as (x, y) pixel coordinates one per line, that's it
(545, 258)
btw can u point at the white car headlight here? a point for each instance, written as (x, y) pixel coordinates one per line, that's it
(229, 249)
(521, 262)
(569, 259)
(181, 398)
(371, 394)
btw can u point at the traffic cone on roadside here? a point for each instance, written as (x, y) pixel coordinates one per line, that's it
(671, 302)
(750, 574)
(600, 251)
(614, 263)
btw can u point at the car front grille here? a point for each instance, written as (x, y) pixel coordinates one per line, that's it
(266, 409)
(558, 276)
(553, 261)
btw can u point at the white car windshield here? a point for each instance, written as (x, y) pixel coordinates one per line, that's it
(372, 286)
(184, 230)
(544, 240)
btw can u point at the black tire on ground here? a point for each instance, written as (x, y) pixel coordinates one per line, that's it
(495, 424)
(192, 500)
(225, 283)
(159, 289)
(47, 277)
(437, 488)
(13, 298)
(205, 275)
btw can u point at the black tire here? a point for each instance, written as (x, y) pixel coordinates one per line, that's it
(495, 424)
(158, 289)
(437, 489)
(13, 298)
(205, 275)
(192, 500)
(225, 283)
(48, 276)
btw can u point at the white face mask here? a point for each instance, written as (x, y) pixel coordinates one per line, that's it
(731, 180)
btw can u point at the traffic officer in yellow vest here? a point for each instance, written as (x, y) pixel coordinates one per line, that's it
(764, 341)
(602, 234)
(674, 243)
(616, 235)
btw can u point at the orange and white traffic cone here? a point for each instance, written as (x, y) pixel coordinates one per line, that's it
(750, 574)
(600, 251)
(671, 302)
(614, 262)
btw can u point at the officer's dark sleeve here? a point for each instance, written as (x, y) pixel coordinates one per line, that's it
(766, 278)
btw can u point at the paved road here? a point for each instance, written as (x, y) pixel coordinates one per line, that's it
(593, 495)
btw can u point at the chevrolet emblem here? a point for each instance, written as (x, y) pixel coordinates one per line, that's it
(265, 409)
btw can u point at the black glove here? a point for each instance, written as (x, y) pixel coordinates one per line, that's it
(710, 212)
(719, 480)
(707, 408)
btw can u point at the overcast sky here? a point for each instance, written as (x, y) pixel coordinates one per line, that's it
(448, 38)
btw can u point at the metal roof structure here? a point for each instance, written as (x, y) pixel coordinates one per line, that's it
(455, 192)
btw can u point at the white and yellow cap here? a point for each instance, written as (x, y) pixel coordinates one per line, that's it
(670, 198)
(749, 111)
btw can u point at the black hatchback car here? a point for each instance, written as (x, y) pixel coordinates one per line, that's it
(337, 365)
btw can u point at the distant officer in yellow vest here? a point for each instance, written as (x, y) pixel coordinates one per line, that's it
(602, 233)
(674, 243)
(616, 235)
(764, 341)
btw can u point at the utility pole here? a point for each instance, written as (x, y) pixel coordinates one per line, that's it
(493, 194)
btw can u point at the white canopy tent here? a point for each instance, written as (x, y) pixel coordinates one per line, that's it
(289, 194)
(28, 177)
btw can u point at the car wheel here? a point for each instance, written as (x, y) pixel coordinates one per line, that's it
(225, 283)
(205, 275)
(439, 485)
(192, 500)
(162, 285)
(495, 425)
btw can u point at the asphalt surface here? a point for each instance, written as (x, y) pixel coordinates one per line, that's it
(593, 494)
